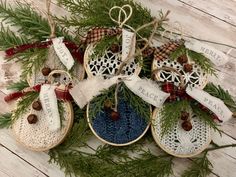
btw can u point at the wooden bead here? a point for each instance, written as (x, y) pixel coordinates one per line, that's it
(46, 71)
(32, 119)
(107, 105)
(184, 115)
(37, 105)
(188, 67)
(115, 48)
(115, 115)
(182, 59)
(187, 126)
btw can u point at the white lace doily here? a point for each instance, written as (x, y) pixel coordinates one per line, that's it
(38, 137)
(196, 78)
(53, 62)
(179, 142)
(107, 65)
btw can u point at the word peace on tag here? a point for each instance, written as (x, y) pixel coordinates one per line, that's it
(146, 89)
(216, 105)
(63, 53)
(48, 100)
(128, 44)
(217, 57)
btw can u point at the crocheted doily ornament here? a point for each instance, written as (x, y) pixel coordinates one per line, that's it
(107, 65)
(130, 127)
(179, 142)
(38, 137)
(196, 78)
(54, 63)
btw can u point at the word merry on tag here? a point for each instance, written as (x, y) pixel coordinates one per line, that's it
(216, 105)
(147, 90)
(128, 44)
(48, 100)
(63, 53)
(217, 57)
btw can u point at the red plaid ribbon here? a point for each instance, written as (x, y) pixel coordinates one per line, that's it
(97, 33)
(74, 49)
(62, 93)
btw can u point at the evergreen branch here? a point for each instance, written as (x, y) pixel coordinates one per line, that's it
(85, 14)
(9, 39)
(202, 61)
(97, 104)
(32, 61)
(206, 117)
(219, 92)
(201, 167)
(220, 147)
(181, 50)
(18, 86)
(23, 104)
(137, 103)
(5, 120)
(29, 22)
(104, 45)
(170, 115)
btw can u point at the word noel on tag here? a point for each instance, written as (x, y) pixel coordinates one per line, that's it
(63, 53)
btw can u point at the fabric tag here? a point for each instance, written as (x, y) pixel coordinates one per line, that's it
(147, 90)
(128, 44)
(87, 89)
(49, 103)
(217, 57)
(216, 105)
(63, 53)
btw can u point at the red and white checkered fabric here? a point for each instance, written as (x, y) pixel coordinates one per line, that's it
(97, 33)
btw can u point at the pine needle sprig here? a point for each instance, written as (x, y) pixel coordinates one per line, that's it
(97, 104)
(224, 95)
(137, 103)
(202, 61)
(28, 21)
(9, 39)
(87, 16)
(5, 120)
(32, 61)
(206, 117)
(181, 50)
(170, 114)
(201, 167)
(18, 86)
(198, 58)
(23, 104)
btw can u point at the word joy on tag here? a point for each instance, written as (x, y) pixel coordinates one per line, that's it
(216, 105)
(128, 44)
(48, 100)
(217, 57)
(63, 53)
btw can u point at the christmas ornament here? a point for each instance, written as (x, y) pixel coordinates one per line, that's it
(37, 105)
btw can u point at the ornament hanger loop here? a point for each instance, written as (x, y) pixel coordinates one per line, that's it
(124, 11)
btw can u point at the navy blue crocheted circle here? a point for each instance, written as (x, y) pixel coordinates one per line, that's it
(127, 128)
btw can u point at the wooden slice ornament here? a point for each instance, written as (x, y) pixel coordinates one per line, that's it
(32, 128)
(188, 137)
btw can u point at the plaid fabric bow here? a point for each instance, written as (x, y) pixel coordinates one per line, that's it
(162, 52)
(97, 33)
(62, 93)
